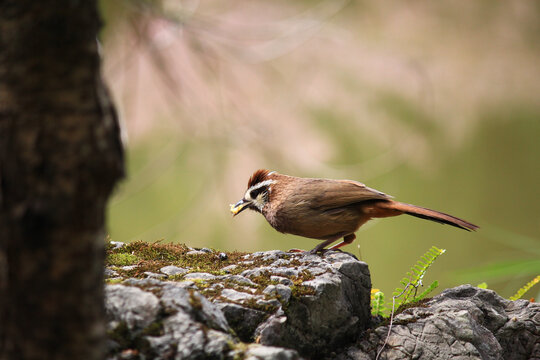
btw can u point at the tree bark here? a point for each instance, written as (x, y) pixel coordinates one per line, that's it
(60, 156)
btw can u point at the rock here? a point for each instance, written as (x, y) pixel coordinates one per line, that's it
(284, 292)
(305, 305)
(130, 305)
(242, 319)
(196, 252)
(285, 271)
(189, 339)
(172, 270)
(154, 275)
(200, 276)
(336, 312)
(239, 279)
(230, 268)
(109, 273)
(128, 267)
(272, 303)
(281, 280)
(463, 322)
(269, 255)
(150, 284)
(181, 325)
(237, 296)
(175, 298)
(117, 244)
(258, 271)
(258, 352)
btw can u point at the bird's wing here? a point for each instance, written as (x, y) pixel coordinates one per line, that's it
(332, 194)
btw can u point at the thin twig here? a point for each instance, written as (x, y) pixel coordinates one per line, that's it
(391, 320)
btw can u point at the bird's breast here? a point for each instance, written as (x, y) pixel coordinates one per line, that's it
(297, 216)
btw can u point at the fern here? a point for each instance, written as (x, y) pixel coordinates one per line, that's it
(482, 285)
(415, 276)
(414, 280)
(525, 288)
(407, 293)
(377, 303)
(426, 292)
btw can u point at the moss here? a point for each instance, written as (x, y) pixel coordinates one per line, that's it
(121, 259)
(414, 304)
(240, 350)
(194, 300)
(210, 292)
(114, 281)
(402, 308)
(121, 335)
(153, 256)
(154, 329)
(263, 280)
(267, 308)
(302, 290)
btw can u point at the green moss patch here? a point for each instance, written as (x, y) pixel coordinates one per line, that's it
(153, 256)
(122, 259)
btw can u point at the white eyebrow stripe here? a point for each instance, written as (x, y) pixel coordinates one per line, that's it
(261, 184)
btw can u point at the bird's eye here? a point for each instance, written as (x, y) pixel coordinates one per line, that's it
(255, 192)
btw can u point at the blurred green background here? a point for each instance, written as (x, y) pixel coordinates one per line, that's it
(435, 103)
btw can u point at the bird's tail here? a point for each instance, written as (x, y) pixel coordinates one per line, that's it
(429, 214)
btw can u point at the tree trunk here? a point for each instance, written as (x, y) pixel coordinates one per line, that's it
(60, 156)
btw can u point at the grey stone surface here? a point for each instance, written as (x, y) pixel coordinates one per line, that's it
(109, 273)
(242, 319)
(310, 306)
(199, 276)
(175, 298)
(230, 268)
(239, 279)
(461, 323)
(129, 267)
(258, 352)
(335, 314)
(196, 252)
(130, 305)
(172, 270)
(154, 275)
(281, 280)
(117, 244)
(237, 296)
(283, 292)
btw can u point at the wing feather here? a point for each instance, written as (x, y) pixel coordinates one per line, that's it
(332, 194)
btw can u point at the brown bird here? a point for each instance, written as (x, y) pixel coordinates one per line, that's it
(326, 209)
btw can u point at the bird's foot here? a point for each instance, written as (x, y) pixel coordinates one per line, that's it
(316, 251)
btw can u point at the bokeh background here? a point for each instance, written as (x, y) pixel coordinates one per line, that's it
(436, 103)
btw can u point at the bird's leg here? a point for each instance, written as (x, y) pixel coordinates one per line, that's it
(347, 239)
(321, 247)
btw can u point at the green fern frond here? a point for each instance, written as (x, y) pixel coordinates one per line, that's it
(426, 292)
(407, 293)
(482, 285)
(525, 288)
(377, 303)
(416, 275)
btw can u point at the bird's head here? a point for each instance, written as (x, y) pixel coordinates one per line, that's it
(257, 194)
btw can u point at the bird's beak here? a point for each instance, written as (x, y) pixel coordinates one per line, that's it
(239, 206)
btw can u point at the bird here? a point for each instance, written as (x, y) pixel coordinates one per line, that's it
(326, 209)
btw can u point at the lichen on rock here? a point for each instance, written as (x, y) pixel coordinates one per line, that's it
(279, 305)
